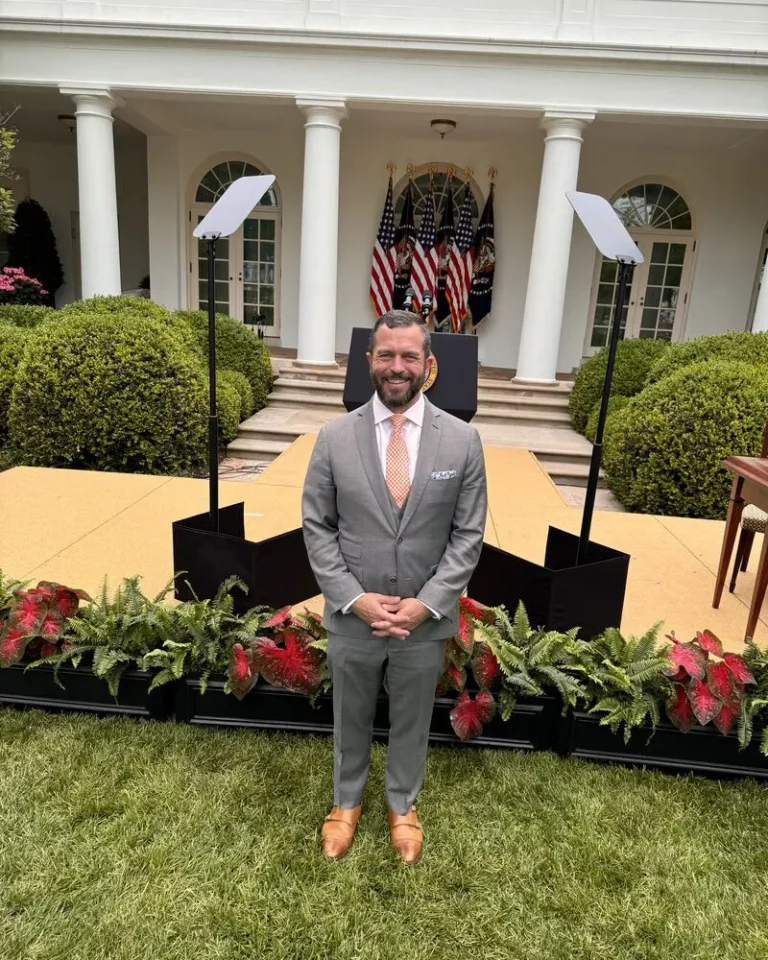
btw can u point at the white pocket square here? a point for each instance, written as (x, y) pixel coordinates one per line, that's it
(442, 475)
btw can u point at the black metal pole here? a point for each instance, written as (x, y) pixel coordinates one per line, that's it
(625, 281)
(213, 420)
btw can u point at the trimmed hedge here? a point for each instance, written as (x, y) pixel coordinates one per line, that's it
(117, 306)
(227, 407)
(746, 347)
(634, 359)
(172, 323)
(244, 392)
(12, 343)
(237, 348)
(663, 455)
(614, 405)
(25, 314)
(112, 391)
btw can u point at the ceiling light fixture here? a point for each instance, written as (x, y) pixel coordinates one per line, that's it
(443, 127)
(68, 120)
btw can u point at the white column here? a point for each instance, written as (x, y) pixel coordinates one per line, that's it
(548, 273)
(319, 231)
(760, 319)
(99, 242)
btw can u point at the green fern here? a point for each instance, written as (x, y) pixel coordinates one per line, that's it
(626, 679)
(531, 661)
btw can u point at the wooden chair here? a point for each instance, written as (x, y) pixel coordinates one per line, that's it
(752, 521)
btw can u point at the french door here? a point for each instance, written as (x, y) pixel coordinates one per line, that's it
(658, 299)
(246, 272)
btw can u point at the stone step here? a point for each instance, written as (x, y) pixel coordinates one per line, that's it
(570, 474)
(256, 448)
(327, 388)
(255, 429)
(488, 399)
(298, 399)
(489, 414)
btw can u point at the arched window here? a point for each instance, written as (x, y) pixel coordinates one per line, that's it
(247, 270)
(218, 178)
(653, 206)
(440, 178)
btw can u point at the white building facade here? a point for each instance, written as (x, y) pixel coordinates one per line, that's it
(135, 115)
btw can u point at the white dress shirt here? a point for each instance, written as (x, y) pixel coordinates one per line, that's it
(382, 418)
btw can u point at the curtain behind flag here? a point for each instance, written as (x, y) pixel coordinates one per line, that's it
(481, 291)
(424, 270)
(459, 277)
(405, 241)
(443, 245)
(383, 265)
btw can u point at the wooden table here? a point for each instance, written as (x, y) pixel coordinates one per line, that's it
(750, 485)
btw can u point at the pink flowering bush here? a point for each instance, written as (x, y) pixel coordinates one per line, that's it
(17, 287)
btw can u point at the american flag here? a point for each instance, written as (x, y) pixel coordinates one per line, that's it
(384, 257)
(460, 266)
(424, 270)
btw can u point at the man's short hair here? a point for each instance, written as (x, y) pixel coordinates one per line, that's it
(402, 318)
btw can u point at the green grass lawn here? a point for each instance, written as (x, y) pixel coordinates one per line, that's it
(135, 841)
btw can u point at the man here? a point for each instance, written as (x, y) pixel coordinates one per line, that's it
(394, 511)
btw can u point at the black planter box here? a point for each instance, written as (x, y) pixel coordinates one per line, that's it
(558, 595)
(703, 750)
(534, 724)
(83, 692)
(276, 571)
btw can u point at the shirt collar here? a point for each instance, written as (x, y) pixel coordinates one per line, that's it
(414, 413)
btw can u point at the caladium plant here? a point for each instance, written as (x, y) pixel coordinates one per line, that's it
(706, 690)
(292, 657)
(37, 619)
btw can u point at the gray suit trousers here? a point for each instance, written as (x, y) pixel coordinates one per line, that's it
(358, 667)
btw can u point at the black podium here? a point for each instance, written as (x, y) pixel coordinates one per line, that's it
(454, 388)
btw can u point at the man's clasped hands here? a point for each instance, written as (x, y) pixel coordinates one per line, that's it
(390, 616)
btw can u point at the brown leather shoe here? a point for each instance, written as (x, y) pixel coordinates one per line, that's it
(407, 835)
(339, 831)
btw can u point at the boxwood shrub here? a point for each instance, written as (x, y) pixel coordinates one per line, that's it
(109, 391)
(12, 342)
(747, 347)
(25, 314)
(614, 405)
(634, 359)
(227, 408)
(244, 392)
(663, 455)
(237, 348)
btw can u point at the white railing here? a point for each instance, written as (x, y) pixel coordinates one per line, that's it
(671, 24)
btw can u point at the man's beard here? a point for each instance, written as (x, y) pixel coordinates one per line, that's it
(414, 385)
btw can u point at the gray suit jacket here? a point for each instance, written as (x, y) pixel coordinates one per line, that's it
(355, 539)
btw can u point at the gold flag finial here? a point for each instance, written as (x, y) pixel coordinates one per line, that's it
(410, 168)
(492, 174)
(468, 172)
(392, 167)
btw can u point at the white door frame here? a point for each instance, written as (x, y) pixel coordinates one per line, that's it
(645, 238)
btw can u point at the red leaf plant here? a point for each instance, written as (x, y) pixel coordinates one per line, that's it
(242, 671)
(37, 616)
(469, 716)
(705, 690)
(289, 661)
(485, 666)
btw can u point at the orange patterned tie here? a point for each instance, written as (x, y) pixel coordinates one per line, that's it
(398, 465)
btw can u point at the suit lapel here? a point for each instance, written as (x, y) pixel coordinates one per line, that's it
(365, 435)
(429, 447)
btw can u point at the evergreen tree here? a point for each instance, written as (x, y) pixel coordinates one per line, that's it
(33, 246)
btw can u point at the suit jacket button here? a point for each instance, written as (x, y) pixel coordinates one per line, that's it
(393, 579)
(399, 539)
